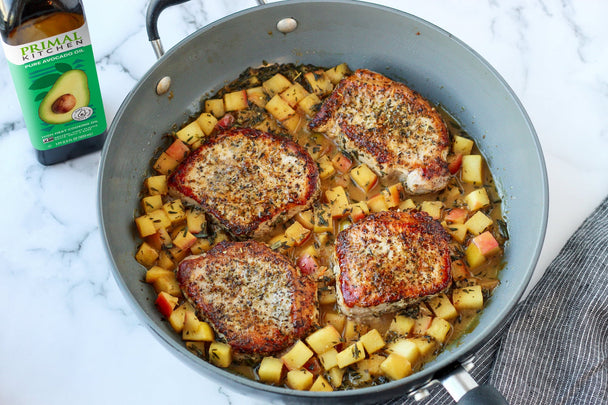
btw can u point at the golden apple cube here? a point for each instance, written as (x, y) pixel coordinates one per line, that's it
(392, 195)
(319, 83)
(271, 370)
(486, 243)
(305, 218)
(338, 201)
(396, 367)
(358, 211)
(276, 84)
(321, 384)
(326, 169)
(323, 219)
(165, 261)
(279, 109)
(220, 354)
(165, 164)
(442, 307)
(402, 325)
(462, 145)
(195, 220)
(236, 100)
(472, 169)
(468, 298)
(351, 331)
(439, 329)
(146, 255)
(337, 73)
(206, 121)
(215, 107)
(175, 211)
(257, 96)
(478, 223)
(201, 245)
(336, 319)
(421, 325)
(155, 272)
(329, 359)
(425, 345)
(298, 233)
(184, 239)
(377, 203)
(364, 177)
(297, 356)
(351, 355)
(157, 185)
(408, 204)
(178, 318)
(323, 339)
(190, 133)
(145, 226)
(327, 296)
(336, 375)
(405, 348)
(151, 203)
(294, 123)
(433, 208)
(196, 330)
(372, 341)
(477, 199)
(309, 105)
(457, 231)
(267, 125)
(160, 219)
(281, 243)
(294, 94)
(459, 270)
(299, 379)
(167, 283)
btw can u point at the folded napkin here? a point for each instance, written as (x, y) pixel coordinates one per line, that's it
(554, 348)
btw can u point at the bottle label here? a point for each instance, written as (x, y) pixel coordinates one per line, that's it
(58, 90)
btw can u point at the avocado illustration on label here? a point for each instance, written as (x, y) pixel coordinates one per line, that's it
(69, 92)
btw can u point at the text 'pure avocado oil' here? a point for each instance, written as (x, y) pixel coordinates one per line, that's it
(50, 57)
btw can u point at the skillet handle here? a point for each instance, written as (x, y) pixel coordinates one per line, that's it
(154, 9)
(465, 390)
(483, 394)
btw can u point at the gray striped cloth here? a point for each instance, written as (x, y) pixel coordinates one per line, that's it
(554, 349)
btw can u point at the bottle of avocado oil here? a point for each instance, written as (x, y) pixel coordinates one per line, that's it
(50, 57)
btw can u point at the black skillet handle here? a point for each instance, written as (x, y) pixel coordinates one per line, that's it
(483, 394)
(463, 388)
(154, 9)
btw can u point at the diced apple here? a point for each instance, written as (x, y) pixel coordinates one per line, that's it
(336, 319)
(195, 220)
(257, 96)
(351, 355)
(456, 216)
(323, 339)
(155, 272)
(341, 162)
(327, 295)
(297, 356)
(454, 163)
(377, 203)
(175, 211)
(462, 145)
(459, 270)
(433, 208)
(195, 330)
(486, 243)
(336, 375)
(468, 298)
(478, 223)
(358, 211)
(408, 204)
(177, 318)
(154, 240)
(157, 185)
(276, 84)
(472, 169)
(425, 345)
(329, 359)
(402, 325)
(337, 73)
(392, 195)
(166, 303)
(160, 219)
(178, 150)
(307, 264)
(457, 231)
(442, 307)
(321, 385)
(236, 100)
(168, 284)
(439, 329)
(145, 226)
(178, 254)
(396, 367)
(165, 261)
(299, 379)
(319, 83)
(281, 243)
(323, 221)
(298, 233)
(477, 199)
(338, 201)
(215, 107)
(190, 133)
(165, 164)
(151, 203)
(353, 331)
(225, 123)
(421, 325)
(372, 341)
(305, 218)
(220, 354)
(326, 169)
(364, 177)
(207, 122)
(201, 245)
(270, 370)
(184, 239)
(474, 256)
(294, 123)
(294, 94)
(146, 255)
(267, 125)
(278, 108)
(405, 348)
(309, 105)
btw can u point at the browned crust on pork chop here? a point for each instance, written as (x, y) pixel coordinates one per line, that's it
(248, 180)
(253, 297)
(390, 127)
(390, 260)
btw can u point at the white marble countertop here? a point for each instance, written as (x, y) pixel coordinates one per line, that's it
(69, 336)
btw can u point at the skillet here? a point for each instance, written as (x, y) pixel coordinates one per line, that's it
(396, 44)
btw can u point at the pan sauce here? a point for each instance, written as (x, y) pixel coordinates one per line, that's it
(309, 245)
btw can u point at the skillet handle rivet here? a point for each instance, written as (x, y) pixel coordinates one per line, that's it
(163, 85)
(287, 25)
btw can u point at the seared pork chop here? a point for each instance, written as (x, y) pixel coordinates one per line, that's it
(390, 260)
(390, 128)
(248, 180)
(253, 297)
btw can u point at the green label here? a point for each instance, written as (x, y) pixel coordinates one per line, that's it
(57, 85)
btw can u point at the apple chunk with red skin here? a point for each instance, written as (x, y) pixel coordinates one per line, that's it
(308, 264)
(166, 303)
(455, 163)
(486, 243)
(178, 150)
